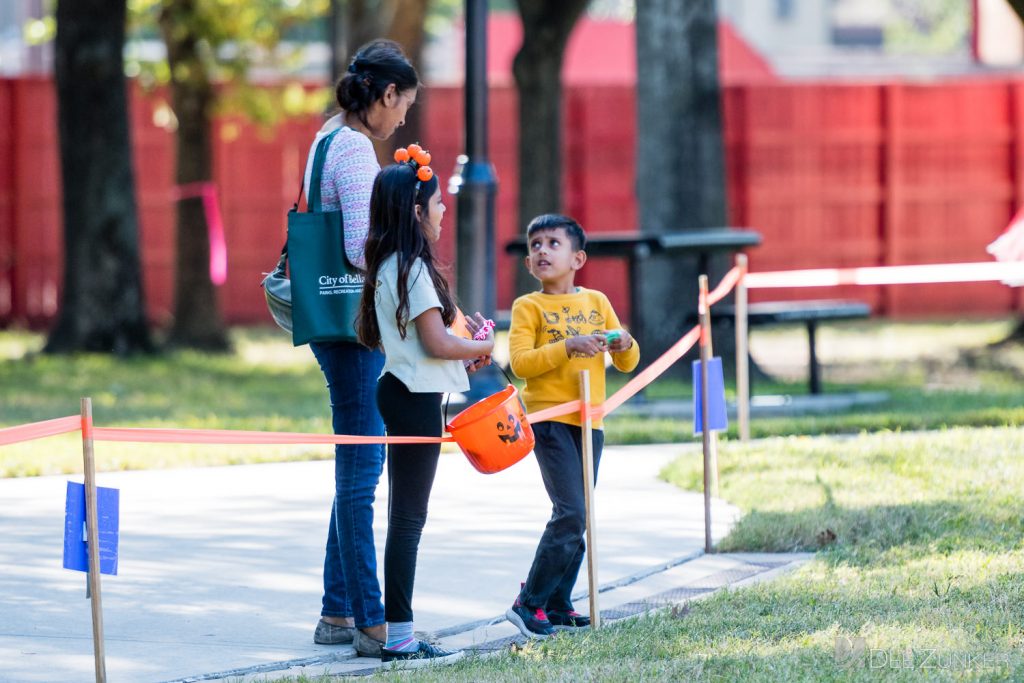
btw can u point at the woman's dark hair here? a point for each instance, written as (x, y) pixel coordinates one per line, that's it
(395, 229)
(374, 67)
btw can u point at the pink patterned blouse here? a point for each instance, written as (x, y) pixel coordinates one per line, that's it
(347, 181)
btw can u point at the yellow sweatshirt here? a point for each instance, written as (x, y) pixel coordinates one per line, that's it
(540, 325)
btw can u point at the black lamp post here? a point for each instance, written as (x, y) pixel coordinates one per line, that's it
(476, 185)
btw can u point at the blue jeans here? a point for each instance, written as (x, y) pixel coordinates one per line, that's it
(351, 587)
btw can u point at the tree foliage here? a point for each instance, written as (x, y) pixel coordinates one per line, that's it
(245, 44)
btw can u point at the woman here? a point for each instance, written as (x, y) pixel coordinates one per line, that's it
(374, 96)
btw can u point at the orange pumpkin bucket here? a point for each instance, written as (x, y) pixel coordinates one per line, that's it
(493, 432)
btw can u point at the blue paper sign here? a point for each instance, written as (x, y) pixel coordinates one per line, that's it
(717, 418)
(76, 555)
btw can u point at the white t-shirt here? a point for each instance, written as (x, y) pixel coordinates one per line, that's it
(406, 358)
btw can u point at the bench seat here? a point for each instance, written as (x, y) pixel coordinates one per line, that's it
(809, 312)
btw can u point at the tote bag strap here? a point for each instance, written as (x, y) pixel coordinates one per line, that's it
(315, 177)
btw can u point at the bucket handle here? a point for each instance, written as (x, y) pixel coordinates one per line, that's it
(448, 397)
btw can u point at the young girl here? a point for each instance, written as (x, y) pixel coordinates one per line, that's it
(407, 309)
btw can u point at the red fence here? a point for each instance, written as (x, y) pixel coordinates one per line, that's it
(831, 175)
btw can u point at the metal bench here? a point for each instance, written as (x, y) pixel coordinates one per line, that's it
(808, 312)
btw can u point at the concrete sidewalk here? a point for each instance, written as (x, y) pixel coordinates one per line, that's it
(220, 568)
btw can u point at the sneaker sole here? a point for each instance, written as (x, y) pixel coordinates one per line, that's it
(518, 622)
(420, 662)
(559, 627)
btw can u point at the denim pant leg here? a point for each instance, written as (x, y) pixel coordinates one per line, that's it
(560, 551)
(351, 587)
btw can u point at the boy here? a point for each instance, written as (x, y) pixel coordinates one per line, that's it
(555, 333)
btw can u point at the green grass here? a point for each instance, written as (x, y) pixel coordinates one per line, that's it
(920, 541)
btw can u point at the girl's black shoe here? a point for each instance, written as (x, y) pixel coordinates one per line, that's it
(424, 655)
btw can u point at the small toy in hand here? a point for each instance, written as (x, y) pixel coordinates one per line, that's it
(484, 330)
(612, 336)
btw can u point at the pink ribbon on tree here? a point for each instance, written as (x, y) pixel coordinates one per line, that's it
(207, 191)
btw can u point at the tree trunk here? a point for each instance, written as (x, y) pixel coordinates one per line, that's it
(538, 72)
(407, 29)
(103, 307)
(197, 318)
(680, 158)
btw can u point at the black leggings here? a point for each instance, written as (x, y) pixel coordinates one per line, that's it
(411, 470)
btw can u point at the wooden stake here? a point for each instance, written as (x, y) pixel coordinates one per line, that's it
(588, 496)
(713, 445)
(93, 540)
(705, 356)
(742, 353)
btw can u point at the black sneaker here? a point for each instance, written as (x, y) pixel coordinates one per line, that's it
(531, 621)
(424, 655)
(567, 619)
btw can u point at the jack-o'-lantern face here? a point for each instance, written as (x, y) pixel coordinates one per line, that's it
(509, 432)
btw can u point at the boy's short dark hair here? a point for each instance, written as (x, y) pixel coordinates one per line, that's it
(552, 221)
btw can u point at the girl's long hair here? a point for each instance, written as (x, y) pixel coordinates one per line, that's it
(394, 229)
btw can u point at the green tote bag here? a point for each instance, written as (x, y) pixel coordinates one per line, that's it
(325, 287)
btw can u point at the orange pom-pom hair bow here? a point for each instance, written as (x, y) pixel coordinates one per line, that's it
(418, 158)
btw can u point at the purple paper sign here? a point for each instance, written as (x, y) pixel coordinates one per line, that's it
(76, 555)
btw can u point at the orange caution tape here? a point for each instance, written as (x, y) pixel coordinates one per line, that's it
(554, 411)
(652, 371)
(40, 430)
(725, 286)
(232, 436)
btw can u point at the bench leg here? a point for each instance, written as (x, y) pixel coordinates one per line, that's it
(815, 371)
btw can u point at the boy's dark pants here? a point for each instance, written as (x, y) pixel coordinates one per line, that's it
(560, 552)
